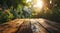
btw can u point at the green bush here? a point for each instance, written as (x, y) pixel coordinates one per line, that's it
(5, 16)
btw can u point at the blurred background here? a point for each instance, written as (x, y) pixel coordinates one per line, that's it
(13, 9)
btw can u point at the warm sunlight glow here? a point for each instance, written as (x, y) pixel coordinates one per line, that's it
(39, 4)
(36, 3)
(50, 1)
(28, 1)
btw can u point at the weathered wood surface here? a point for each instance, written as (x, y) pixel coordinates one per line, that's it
(30, 26)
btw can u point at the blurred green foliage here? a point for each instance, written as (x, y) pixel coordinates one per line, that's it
(12, 9)
(5, 16)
